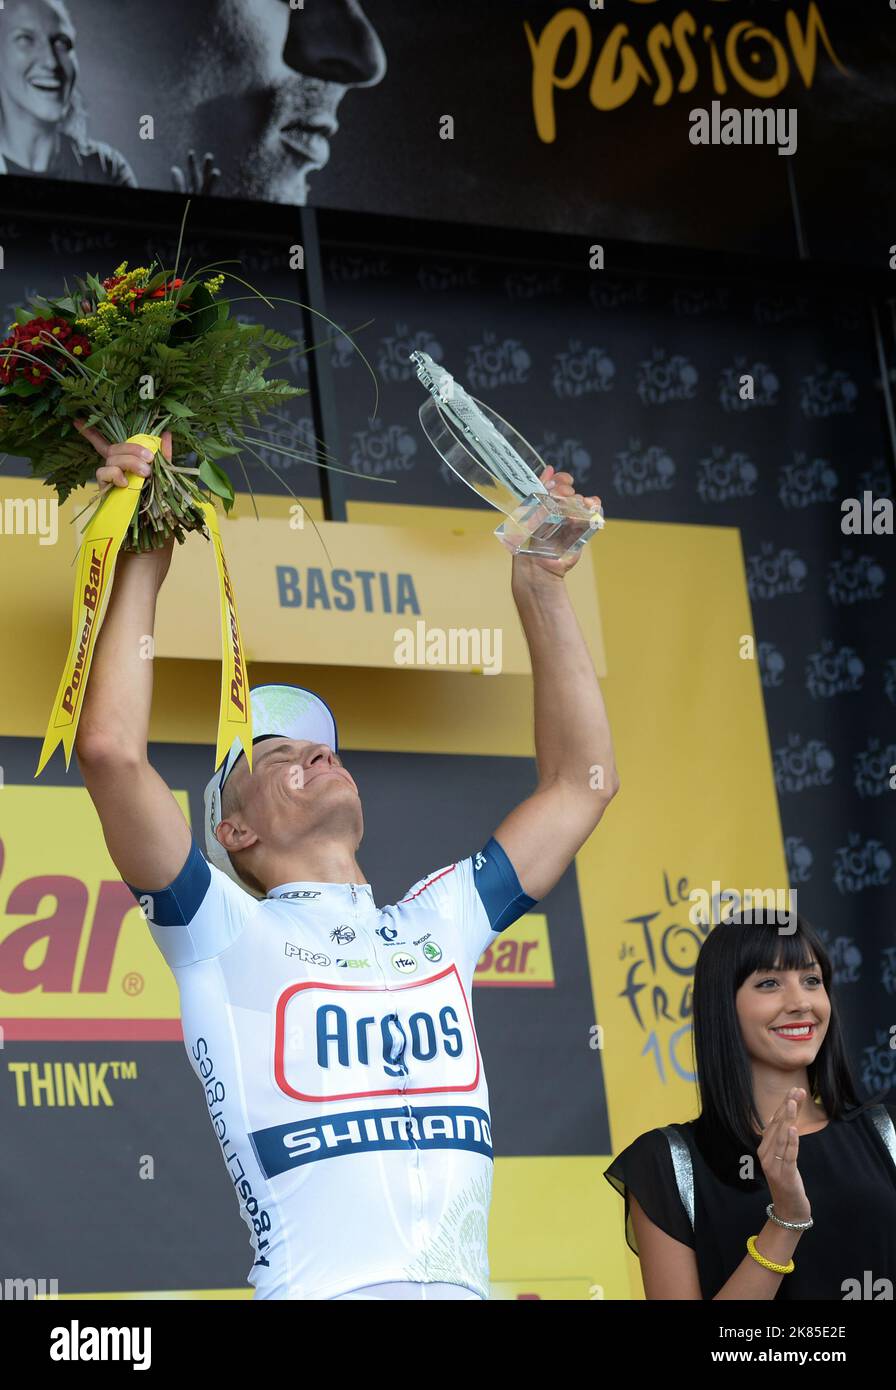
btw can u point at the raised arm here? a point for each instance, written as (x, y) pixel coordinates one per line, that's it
(144, 828)
(577, 776)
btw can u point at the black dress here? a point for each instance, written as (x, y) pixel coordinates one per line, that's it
(850, 1180)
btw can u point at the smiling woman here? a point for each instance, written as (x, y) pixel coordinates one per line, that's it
(779, 1118)
(42, 118)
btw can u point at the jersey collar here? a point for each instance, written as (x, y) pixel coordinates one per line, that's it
(303, 890)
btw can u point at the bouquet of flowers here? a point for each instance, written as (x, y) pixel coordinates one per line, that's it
(140, 351)
(136, 353)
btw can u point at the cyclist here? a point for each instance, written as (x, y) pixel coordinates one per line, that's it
(334, 1038)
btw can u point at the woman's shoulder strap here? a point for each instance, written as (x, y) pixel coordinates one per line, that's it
(683, 1168)
(883, 1122)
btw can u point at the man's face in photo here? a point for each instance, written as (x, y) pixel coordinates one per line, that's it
(258, 84)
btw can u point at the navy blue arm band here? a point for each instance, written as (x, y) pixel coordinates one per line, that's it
(498, 886)
(178, 904)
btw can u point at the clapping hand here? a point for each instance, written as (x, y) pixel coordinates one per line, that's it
(778, 1153)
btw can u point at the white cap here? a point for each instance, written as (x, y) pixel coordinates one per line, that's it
(284, 710)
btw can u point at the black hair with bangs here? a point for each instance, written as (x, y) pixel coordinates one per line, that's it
(734, 950)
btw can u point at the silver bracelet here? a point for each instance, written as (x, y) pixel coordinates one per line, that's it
(790, 1225)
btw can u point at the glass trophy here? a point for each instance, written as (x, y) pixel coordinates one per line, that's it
(494, 459)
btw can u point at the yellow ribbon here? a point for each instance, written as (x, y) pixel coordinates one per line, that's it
(235, 712)
(100, 545)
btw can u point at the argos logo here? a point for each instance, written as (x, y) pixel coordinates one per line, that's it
(342, 1041)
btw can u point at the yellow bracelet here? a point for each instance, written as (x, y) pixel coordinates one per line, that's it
(768, 1264)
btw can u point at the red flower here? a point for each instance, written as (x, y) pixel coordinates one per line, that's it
(39, 334)
(30, 334)
(163, 289)
(79, 345)
(8, 360)
(47, 332)
(35, 372)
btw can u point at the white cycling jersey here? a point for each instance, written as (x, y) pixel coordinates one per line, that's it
(335, 1044)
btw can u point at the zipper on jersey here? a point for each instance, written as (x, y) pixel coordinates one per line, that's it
(417, 1183)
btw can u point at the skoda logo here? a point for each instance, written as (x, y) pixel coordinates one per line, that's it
(405, 963)
(432, 951)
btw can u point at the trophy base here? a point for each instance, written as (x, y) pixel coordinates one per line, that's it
(551, 527)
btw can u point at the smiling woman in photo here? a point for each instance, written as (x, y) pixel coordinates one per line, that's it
(42, 119)
(779, 1119)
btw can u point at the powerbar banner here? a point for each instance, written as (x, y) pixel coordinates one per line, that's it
(97, 556)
